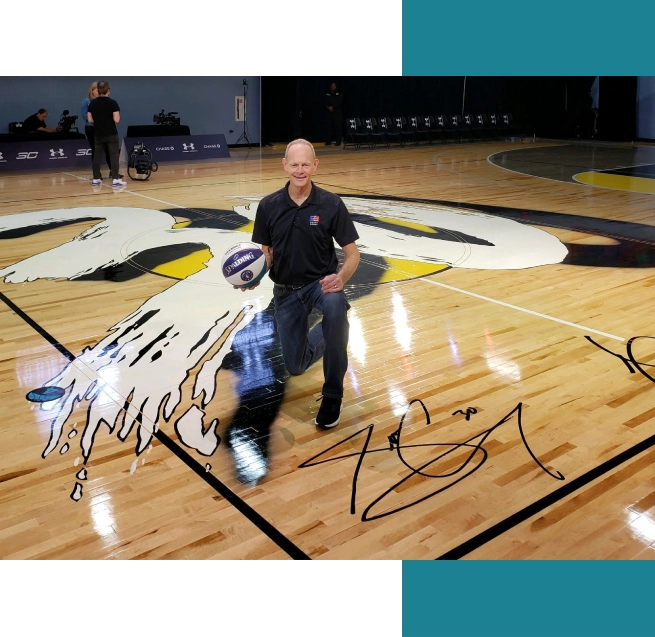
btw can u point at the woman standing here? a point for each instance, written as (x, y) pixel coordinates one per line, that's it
(88, 128)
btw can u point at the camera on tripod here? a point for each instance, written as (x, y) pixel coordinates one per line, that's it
(140, 163)
(67, 122)
(166, 119)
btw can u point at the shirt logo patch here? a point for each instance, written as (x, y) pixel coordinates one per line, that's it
(313, 220)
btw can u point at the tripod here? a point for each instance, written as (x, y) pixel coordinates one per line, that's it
(244, 135)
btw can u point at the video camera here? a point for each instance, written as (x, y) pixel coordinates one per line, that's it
(67, 122)
(166, 119)
(140, 163)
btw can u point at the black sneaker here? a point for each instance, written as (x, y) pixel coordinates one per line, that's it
(329, 414)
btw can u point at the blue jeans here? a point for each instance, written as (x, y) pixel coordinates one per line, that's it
(327, 339)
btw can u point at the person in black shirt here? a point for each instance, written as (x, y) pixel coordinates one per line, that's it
(297, 226)
(104, 113)
(88, 128)
(334, 105)
(36, 123)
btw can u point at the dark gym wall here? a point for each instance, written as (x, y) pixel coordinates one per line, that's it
(552, 107)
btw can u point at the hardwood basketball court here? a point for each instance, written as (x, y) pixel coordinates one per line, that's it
(499, 402)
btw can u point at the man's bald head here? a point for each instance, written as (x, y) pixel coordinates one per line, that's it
(304, 142)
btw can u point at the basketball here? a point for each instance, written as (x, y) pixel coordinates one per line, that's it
(244, 264)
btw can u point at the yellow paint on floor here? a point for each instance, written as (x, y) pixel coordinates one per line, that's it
(408, 224)
(249, 227)
(617, 182)
(185, 266)
(400, 269)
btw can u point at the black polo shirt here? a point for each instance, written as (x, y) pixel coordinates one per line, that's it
(302, 236)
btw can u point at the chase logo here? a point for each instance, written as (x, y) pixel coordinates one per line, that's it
(313, 220)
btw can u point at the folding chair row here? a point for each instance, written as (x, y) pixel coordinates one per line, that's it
(373, 131)
(416, 128)
(457, 128)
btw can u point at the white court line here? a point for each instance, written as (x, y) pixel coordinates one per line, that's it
(522, 309)
(131, 192)
(138, 194)
(443, 285)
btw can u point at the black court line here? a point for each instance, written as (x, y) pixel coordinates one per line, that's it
(48, 337)
(645, 171)
(261, 523)
(520, 516)
(504, 525)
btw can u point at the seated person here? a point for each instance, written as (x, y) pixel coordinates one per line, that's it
(36, 123)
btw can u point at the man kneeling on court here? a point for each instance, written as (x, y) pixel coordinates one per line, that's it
(296, 227)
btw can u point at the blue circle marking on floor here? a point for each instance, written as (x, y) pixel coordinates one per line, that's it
(45, 394)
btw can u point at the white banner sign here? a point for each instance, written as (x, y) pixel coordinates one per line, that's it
(239, 108)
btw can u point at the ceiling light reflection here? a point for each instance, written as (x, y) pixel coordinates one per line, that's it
(644, 526)
(357, 343)
(102, 515)
(500, 365)
(398, 400)
(403, 331)
(454, 352)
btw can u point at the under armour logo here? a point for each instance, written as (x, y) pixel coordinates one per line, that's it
(188, 146)
(54, 152)
(1, 157)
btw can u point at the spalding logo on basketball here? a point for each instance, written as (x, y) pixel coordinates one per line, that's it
(244, 265)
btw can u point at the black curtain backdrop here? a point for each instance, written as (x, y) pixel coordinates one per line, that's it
(617, 106)
(551, 107)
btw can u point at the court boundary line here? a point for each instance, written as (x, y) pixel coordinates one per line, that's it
(516, 172)
(560, 493)
(479, 296)
(522, 309)
(575, 182)
(222, 489)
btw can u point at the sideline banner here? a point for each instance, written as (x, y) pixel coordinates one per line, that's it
(45, 155)
(182, 147)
